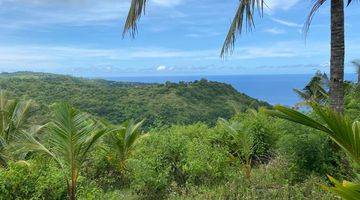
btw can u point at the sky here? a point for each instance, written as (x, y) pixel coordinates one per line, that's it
(175, 37)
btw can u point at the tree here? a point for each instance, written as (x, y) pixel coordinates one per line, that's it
(14, 118)
(70, 137)
(245, 16)
(120, 142)
(340, 129)
(316, 90)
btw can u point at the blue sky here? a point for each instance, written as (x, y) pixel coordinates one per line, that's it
(176, 37)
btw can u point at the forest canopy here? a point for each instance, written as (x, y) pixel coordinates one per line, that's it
(160, 104)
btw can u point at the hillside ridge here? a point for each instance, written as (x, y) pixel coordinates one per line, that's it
(161, 104)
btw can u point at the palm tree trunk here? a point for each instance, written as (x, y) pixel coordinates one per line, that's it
(72, 191)
(337, 55)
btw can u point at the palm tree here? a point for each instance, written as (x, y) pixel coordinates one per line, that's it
(14, 118)
(70, 137)
(341, 130)
(315, 90)
(120, 142)
(245, 16)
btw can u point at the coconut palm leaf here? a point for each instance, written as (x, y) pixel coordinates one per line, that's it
(340, 129)
(120, 142)
(316, 90)
(137, 7)
(14, 118)
(70, 136)
(244, 15)
(347, 190)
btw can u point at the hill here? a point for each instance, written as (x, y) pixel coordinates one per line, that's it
(160, 104)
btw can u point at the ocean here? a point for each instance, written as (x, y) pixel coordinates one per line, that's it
(274, 89)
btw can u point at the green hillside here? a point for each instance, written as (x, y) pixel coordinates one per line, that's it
(160, 104)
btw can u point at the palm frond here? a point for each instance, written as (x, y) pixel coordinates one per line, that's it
(297, 117)
(70, 136)
(340, 130)
(301, 94)
(120, 142)
(14, 118)
(338, 127)
(314, 9)
(244, 15)
(349, 2)
(347, 190)
(137, 8)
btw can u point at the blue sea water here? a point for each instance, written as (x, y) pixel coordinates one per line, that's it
(274, 89)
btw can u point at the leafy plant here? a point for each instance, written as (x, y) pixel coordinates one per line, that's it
(243, 138)
(176, 157)
(37, 178)
(316, 90)
(14, 118)
(70, 137)
(120, 142)
(340, 129)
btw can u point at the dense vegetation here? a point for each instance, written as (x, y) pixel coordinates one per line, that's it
(252, 155)
(159, 104)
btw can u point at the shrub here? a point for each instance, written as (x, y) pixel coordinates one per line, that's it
(176, 157)
(261, 129)
(34, 179)
(89, 190)
(268, 182)
(103, 172)
(309, 151)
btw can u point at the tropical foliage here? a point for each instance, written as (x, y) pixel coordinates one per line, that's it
(250, 155)
(14, 119)
(315, 91)
(246, 144)
(341, 130)
(121, 141)
(70, 137)
(166, 104)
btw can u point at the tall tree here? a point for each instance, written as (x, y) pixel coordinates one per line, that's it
(245, 16)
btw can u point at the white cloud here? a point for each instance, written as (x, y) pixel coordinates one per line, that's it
(167, 3)
(161, 68)
(281, 4)
(275, 31)
(72, 12)
(287, 23)
(26, 55)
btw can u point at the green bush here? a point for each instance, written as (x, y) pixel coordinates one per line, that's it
(263, 133)
(268, 182)
(261, 129)
(89, 190)
(34, 179)
(310, 152)
(175, 157)
(103, 172)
